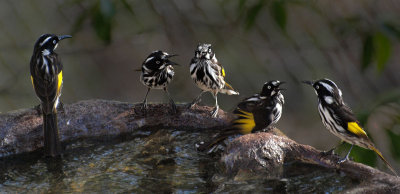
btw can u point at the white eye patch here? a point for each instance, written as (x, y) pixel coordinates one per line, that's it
(45, 40)
(148, 59)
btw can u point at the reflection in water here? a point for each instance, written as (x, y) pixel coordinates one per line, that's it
(55, 170)
(163, 161)
(157, 154)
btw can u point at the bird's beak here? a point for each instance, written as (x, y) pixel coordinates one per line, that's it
(63, 37)
(169, 56)
(172, 63)
(280, 85)
(308, 82)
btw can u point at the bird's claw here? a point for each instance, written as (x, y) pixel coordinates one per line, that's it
(214, 113)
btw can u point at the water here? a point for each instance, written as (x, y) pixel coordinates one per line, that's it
(161, 161)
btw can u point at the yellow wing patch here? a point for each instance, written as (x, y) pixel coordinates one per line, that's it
(245, 122)
(60, 78)
(32, 82)
(354, 128)
(222, 71)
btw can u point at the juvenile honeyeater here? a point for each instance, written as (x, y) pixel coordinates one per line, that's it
(209, 75)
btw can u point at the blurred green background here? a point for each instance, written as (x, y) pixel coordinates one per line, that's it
(354, 43)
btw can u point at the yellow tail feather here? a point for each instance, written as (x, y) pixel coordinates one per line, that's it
(229, 86)
(383, 159)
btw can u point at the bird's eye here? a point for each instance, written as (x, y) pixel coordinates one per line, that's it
(269, 87)
(158, 62)
(54, 41)
(317, 87)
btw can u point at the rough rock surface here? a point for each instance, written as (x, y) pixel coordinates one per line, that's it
(21, 130)
(268, 151)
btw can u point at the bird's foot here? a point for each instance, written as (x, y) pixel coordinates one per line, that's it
(343, 160)
(174, 108)
(144, 107)
(214, 113)
(192, 104)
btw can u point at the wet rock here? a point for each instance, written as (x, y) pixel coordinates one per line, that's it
(268, 151)
(21, 130)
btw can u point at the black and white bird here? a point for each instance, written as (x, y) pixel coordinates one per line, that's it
(253, 114)
(339, 119)
(209, 75)
(47, 79)
(157, 73)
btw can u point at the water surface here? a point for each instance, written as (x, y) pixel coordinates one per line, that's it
(159, 161)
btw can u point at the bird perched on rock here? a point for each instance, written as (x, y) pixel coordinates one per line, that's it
(339, 119)
(47, 79)
(253, 114)
(157, 73)
(209, 75)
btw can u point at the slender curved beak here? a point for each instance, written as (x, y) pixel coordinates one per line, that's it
(64, 37)
(308, 82)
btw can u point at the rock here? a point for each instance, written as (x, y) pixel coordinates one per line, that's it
(268, 151)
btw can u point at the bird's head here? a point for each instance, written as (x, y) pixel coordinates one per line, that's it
(204, 51)
(159, 60)
(271, 88)
(47, 43)
(326, 90)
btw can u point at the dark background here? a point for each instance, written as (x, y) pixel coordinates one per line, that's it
(354, 43)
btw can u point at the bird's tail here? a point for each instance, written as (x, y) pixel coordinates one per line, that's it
(205, 146)
(383, 159)
(52, 145)
(229, 90)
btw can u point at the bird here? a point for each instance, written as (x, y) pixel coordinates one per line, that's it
(47, 79)
(156, 73)
(253, 114)
(209, 75)
(339, 119)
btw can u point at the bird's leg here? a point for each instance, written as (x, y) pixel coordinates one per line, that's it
(196, 100)
(144, 106)
(174, 109)
(214, 113)
(347, 156)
